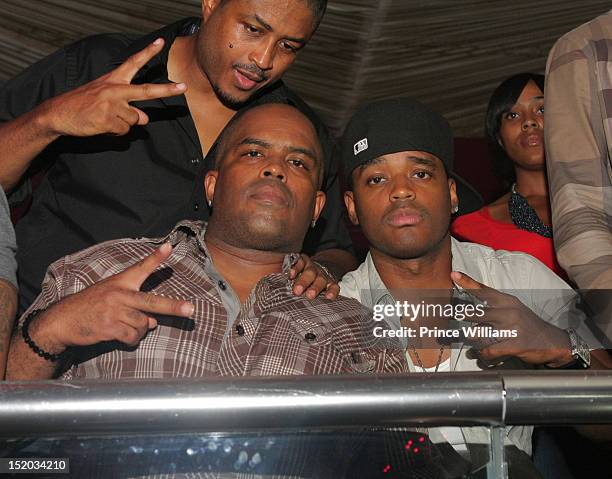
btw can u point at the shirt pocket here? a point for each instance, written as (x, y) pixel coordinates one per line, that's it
(353, 358)
(311, 332)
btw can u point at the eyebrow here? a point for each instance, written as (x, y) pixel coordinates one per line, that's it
(255, 141)
(306, 152)
(292, 149)
(373, 161)
(535, 98)
(423, 161)
(268, 27)
(417, 159)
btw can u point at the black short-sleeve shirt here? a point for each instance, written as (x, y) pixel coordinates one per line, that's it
(141, 184)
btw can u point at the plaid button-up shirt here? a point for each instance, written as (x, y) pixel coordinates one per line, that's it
(579, 151)
(272, 333)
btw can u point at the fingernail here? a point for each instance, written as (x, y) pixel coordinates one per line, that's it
(298, 290)
(188, 309)
(311, 294)
(157, 42)
(180, 86)
(456, 275)
(165, 247)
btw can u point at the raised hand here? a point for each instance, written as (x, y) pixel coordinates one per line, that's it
(102, 106)
(112, 310)
(536, 341)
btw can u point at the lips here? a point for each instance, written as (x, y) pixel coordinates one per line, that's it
(271, 195)
(246, 80)
(403, 217)
(531, 140)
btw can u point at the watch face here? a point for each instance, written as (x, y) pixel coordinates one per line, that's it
(580, 350)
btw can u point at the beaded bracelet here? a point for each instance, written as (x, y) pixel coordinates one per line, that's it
(30, 342)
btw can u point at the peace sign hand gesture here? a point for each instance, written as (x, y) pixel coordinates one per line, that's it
(534, 340)
(112, 310)
(102, 106)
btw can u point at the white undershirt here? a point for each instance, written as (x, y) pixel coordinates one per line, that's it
(452, 435)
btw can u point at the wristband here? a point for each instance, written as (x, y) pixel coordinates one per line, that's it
(30, 342)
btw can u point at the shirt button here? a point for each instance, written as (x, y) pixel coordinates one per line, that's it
(310, 337)
(222, 285)
(196, 206)
(240, 330)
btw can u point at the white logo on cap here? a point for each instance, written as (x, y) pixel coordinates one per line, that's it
(360, 146)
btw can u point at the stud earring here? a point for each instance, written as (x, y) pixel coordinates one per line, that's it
(210, 203)
(313, 223)
(455, 209)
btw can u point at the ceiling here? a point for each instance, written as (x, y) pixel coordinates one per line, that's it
(449, 54)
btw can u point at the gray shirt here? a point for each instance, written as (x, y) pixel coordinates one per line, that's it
(8, 245)
(514, 273)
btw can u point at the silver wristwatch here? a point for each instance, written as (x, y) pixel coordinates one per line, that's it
(580, 351)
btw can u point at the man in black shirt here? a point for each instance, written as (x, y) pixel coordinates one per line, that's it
(130, 126)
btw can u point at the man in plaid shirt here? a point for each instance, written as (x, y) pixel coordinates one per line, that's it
(210, 299)
(579, 161)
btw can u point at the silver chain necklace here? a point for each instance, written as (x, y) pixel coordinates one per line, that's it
(416, 354)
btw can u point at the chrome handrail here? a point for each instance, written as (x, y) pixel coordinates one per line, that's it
(56, 408)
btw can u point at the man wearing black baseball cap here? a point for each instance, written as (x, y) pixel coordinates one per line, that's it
(398, 156)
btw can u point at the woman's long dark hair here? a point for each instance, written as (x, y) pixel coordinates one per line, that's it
(503, 99)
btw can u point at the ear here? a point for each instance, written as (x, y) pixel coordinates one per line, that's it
(319, 204)
(210, 182)
(452, 189)
(349, 202)
(500, 142)
(208, 7)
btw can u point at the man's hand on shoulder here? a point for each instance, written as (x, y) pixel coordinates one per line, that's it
(112, 310)
(311, 279)
(102, 106)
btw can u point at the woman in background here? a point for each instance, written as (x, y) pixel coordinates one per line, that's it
(520, 219)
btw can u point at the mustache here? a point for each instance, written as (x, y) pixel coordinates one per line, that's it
(420, 210)
(273, 183)
(252, 68)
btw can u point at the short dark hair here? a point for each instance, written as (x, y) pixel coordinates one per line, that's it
(317, 7)
(502, 100)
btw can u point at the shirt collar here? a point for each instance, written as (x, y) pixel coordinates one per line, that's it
(458, 261)
(198, 229)
(169, 33)
(378, 290)
(183, 229)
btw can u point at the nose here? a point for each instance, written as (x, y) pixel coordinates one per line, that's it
(530, 122)
(274, 169)
(402, 190)
(263, 55)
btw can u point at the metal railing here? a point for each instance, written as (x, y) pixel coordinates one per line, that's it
(54, 408)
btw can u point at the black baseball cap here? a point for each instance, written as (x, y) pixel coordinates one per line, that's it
(403, 124)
